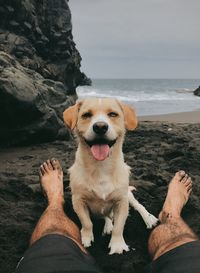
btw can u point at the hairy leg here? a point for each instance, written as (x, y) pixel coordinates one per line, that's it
(173, 231)
(54, 220)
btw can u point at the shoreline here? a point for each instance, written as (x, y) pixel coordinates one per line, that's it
(183, 117)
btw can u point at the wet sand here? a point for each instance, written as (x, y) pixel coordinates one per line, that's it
(184, 117)
(155, 151)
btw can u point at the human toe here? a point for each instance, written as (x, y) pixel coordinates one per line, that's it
(55, 164)
(185, 178)
(48, 162)
(179, 175)
(42, 170)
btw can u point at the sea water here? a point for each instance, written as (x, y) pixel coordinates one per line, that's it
(148, 96)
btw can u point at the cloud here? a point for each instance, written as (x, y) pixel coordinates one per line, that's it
(160, 37)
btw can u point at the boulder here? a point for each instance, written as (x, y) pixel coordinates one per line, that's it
(39, 70)
(197, 91)
(30, 106)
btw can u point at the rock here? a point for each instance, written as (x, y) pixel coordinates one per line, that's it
(39, 70)
(84, 80)
(197, 91)
(45, 26)
(30, 106)
(27, 25)
(14, 24)
(10, 9)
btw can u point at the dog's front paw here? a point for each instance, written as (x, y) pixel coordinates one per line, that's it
(87, 237)
(117, 245)
(108, 227)
(151, 221)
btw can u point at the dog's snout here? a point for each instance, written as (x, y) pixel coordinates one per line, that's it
(100, 128)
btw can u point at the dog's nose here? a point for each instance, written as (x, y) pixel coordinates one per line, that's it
(100, 128)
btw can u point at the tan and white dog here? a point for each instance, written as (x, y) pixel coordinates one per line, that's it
(99, 177)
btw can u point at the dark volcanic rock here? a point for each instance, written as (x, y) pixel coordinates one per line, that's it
(30, 106)
(39, 35)
(39, 69)
(197, 91)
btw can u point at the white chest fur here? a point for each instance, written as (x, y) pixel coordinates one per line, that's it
(103, 187)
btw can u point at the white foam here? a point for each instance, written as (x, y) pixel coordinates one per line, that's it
(148, 98)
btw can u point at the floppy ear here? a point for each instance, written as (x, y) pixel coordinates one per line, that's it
(70, 115)
(129, 117)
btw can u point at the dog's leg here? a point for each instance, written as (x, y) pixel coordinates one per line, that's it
(108, 227)
(148, 218)
(82, 211)
(117, 243)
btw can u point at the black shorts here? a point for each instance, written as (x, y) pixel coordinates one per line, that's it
(59, 254)
(56, 254)
(182, 259)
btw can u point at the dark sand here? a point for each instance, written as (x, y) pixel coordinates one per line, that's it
(155, 151)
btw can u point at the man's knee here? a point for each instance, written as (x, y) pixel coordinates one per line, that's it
(160, 242)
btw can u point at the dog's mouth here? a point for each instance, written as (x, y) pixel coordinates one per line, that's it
(100, 147)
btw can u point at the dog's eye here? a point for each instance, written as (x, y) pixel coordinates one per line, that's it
(113, 114)
(87, 115)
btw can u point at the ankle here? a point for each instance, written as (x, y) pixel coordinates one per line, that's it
(56, 203)
(167, 215)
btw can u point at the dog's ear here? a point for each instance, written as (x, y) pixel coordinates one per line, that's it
(129, 116)
(70, 115)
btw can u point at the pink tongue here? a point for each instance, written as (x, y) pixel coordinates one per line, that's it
(100, 151)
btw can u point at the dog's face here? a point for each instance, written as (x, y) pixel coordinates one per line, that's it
(100, 122)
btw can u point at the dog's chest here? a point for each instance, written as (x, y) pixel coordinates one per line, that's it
(100, 185)
(101, 199)
(103, 187)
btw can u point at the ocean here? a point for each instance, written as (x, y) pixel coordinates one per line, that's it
(148, 96)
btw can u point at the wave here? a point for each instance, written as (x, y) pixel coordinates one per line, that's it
(137, 96)
(184, 90)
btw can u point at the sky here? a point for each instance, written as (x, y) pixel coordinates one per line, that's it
(138, 38)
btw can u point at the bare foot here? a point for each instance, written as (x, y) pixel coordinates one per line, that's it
(51, 179)
(178, 194)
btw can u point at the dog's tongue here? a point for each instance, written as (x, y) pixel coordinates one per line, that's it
(100, 151)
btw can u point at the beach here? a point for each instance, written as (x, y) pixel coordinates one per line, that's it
(184, 117)
(155, 151)
(44, 69)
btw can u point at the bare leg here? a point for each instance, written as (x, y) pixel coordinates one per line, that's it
(54, 220)
(173, 231)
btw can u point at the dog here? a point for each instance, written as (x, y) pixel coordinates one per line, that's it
(99, 177)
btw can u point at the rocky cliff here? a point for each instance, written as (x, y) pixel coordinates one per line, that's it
(39, 69)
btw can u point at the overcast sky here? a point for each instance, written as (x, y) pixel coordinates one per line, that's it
(138, 38)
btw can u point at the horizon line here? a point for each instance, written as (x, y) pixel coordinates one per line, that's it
(112, 78)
